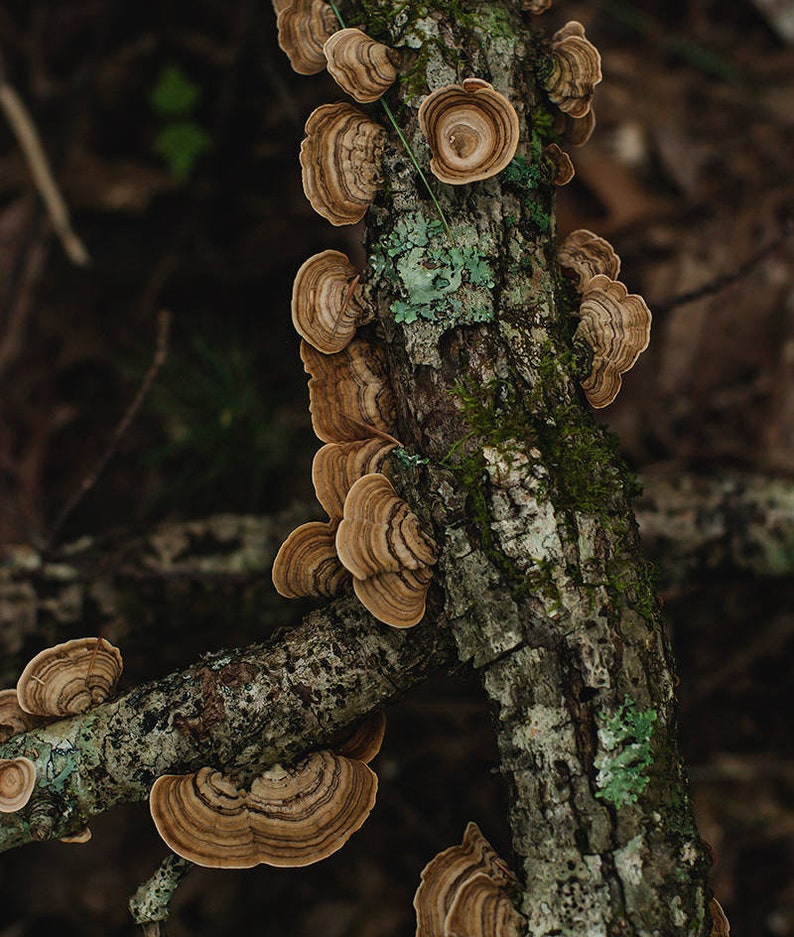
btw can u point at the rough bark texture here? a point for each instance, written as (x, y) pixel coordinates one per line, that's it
(540, 577)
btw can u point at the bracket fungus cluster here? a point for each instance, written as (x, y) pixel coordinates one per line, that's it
(465, 892)
(472, 131)
(340, 161)
(575, 70)
(288, 818)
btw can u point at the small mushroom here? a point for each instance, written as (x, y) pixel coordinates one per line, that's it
(203, 818)
(446, 874)
(349, 394)
(720, 926)
(17, 780)
(69, 678)
(379, 533)
(472, 131)
(398, 599)
(584, 255)
(304, 814)
(575, 70)
(481, 908)
(616, 325)
(80, 837)
(307, 563)
(13, 718)
(337, 465)
(327, 304)
(303, 28)
(363, 740)
(365, 69)
(562, 165)
(575, 131)
(536, 6)
(340, 161)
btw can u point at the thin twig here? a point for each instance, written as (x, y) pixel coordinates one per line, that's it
(150, 906)
(27, 136)
(158, 360)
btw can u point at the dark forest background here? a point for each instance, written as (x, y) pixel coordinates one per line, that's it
(173, 130)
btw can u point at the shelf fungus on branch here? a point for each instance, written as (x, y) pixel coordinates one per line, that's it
(562, 169)
(290, 817)
(363, 740)
(340, 161)
(307, 564)
(583, 255)
(17, 780)
(69, 678)
(472, 130)
(349, 393)
(362, 67)
(13, 718)
(465, 891)
(336, 466)
(327, 302)
(616, 325)
(380, 542)
(303, 28)
(575, 70)
(575, 131)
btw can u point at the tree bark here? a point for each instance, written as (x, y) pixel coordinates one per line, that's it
(540, 578)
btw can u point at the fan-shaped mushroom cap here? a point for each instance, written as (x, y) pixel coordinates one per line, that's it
(536, 6)
(303, 28)
(80, 837)
(576, 131)
(337, 465)
(616, 324)
(17, 780)
(481, 908)
(279, 5)
(327, 304)
(69, 678)
(472, 131)
(340, 161)
(349, 394)
(562, 164)
(307, 563)
(444, 876)
(202, 817)
(379, 533)
(13, 718)
(720, 926)
(398, 599)
(576, 70)
(362, 741)
(359, 65)
(585, 255)
(304, 814)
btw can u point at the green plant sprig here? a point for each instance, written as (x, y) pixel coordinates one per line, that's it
(412, 156)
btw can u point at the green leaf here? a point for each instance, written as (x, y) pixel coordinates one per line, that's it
(181, 144)
(174, 95)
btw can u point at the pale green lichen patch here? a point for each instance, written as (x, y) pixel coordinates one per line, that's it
(625, 740)
(438, 281)
(409, 459)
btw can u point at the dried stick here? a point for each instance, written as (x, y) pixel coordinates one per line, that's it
(27, 136)
(150, 906)
(160, 354)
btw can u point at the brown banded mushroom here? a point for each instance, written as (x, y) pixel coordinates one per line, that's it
(583, 255)
(307, 564)
(13, 718)
(362, 741)
(349, 394)
(304, 814)
(17, 780)
(69, 678)
(536, 6)
(575, 70)
(398, 599)
(720, 926)
(340, 161)
(327, 303)
(472, 131)
(379, 533)
(337, 465)
(448, 872)
(365, 69)
(575, 131)
(481, 908)
(616, 325)
(561, 164)
(78, 838)
(303, 28)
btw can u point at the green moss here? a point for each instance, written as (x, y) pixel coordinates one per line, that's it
(626, 743)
